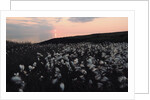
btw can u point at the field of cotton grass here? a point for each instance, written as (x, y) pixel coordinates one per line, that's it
(69, 67)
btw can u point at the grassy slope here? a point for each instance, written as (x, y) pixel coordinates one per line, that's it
(95, 38)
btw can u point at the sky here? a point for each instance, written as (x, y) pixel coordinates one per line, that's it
(37, 29)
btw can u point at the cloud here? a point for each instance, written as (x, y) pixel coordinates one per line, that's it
(34, 33)
(33, 20)
(81, 19)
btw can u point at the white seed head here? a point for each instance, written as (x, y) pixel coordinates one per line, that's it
(16, 79)
(62, 86)
(54, 81)
(21, 67)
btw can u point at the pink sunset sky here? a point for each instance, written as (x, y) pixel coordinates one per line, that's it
(36, 29)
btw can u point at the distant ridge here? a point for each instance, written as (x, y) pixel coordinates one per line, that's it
(95, 38)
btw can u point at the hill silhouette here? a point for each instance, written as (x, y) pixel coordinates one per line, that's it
(95, 38)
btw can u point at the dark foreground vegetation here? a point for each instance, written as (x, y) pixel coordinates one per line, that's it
(93, 63)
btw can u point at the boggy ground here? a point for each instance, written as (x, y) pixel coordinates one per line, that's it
(69, 67)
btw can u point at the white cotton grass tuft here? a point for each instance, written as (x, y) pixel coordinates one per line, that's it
(57, 69)
(98, 77)
(20, 90)
(62, 86)
(54, 81)
(122, 79)
(76, 61)
(83, 71)
(89, 61)
(41, 77)
(31, 68)
(38, 59)
(74, 79)
(90, 66)
(101, 62)
(25, 73)
(16, 79)
(22, 67)
(42, 63)
(16, 74)
(82, 77)
(104, 79)
(47, 64)
(39, 54)
(34, 64)
(49, 55)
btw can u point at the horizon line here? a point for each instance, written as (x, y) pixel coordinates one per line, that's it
(62, 37)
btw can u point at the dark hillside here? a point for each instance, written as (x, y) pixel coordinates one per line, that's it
(95, 38)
